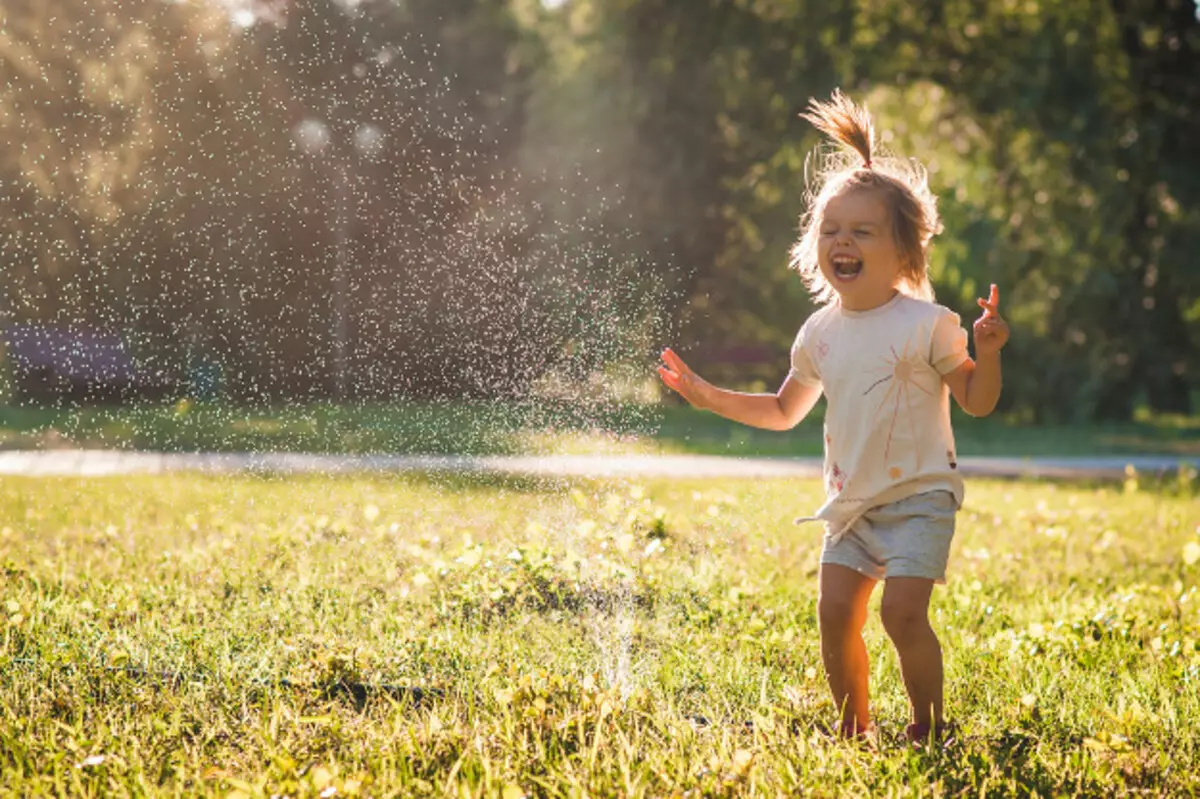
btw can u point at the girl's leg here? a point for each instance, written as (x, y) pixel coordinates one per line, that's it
(905, 613)
(841, 613)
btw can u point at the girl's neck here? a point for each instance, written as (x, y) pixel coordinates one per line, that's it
(868, 304)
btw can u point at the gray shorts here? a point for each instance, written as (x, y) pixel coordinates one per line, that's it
(907, 538)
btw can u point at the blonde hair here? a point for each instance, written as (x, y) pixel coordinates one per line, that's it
(858, 165)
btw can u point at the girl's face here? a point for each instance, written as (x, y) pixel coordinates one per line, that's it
(857, 251)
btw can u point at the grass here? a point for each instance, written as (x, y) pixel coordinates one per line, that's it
(530, 427)
(178, 635)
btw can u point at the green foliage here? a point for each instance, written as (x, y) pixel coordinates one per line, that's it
(166, 635)
(192, 215)
(1055, 134)
(1076, 113)
(571, 187)
(6, 380)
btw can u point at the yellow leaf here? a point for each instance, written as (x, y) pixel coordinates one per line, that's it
(743, 759)
(321, 777)
(471, 557)
(242, 789)
(512, 792)
(326, 719)
(763, 723)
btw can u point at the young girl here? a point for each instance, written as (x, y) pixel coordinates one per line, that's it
(886, 357)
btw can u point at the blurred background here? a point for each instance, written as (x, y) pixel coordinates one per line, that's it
(282, 213)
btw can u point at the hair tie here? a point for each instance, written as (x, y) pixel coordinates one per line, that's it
(867, 162)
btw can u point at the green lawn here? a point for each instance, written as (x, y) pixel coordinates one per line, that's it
(532, 427)
(180, 634)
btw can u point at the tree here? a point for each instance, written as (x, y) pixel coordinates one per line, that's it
(1086, 111)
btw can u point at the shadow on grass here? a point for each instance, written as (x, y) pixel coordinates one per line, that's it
(1017, 762)
(102, 678)
(538, 425)
(468, 482)
(447, 481)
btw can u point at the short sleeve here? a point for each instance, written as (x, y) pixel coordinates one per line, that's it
(804, 370)
(948, 350)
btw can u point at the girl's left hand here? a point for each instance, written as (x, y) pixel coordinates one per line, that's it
(991, 331)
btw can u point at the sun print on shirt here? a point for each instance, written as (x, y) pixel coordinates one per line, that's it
(900, 372)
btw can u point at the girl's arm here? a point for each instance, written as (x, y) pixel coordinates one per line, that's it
(976, 384)
(781, 411)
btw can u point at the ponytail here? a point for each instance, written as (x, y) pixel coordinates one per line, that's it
(843, 121)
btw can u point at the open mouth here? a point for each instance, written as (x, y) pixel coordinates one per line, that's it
(847, 268)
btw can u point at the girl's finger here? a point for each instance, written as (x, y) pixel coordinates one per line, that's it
(991, 306)
(674, 361)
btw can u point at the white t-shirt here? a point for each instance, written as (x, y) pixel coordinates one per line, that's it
(887, 420)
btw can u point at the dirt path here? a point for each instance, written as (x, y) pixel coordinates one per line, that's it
(111, 462)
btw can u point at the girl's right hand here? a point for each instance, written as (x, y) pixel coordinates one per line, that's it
(680, 378)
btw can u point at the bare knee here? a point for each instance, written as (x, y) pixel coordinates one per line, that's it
(904, 620)
(840, 614)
